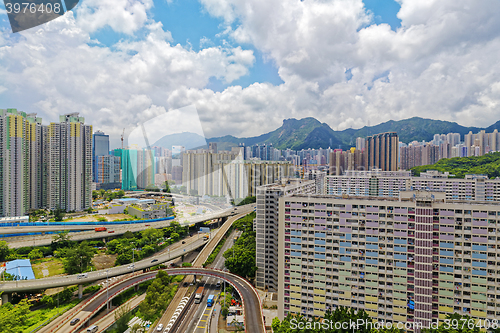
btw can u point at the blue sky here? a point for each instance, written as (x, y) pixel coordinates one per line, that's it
(338, 62)
(190, 23)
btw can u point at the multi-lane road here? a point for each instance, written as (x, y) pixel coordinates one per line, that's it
(251, 302)
(197, 317)
(88, 232)
(191, 244)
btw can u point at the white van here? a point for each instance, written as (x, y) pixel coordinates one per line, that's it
(92, 329)
(82, 276)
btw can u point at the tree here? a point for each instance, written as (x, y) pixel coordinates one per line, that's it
(12, 317)
(123, 258)
(147, 251)
(122, 317)
(58, 214)
(4, 250)
(61, 240)
(78, 259)
(167, 187)
(158, 296)
(128, 234)
(35, 254)
(340, 315)
(151, 235)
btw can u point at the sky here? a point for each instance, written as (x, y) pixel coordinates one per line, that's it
(245, 65)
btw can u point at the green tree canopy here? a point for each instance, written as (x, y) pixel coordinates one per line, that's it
(35, 254)
(78, 259)
(4, 250)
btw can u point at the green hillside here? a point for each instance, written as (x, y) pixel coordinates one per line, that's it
(412, 129)
(310, 133)
(488, 164)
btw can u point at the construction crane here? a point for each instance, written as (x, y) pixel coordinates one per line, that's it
(123, 133)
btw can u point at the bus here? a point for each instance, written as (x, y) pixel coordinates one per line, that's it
(210, 300)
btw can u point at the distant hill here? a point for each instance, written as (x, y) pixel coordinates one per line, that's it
(310, 133)
(412, 129)
(186, 139)
(488, 164)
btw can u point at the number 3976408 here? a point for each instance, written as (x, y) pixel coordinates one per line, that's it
(26, 7)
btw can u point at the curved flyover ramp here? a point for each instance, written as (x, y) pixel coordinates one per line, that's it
(252, 309)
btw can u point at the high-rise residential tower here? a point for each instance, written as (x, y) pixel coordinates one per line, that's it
(70, 163)
(382, 151)
(100, 147)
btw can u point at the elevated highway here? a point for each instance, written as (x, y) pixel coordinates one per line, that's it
(252, 307)
(61, 281)
(213, 242)
(88, 232)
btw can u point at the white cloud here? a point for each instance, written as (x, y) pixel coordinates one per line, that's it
(442, 63)
(126, 16)
(56, 69)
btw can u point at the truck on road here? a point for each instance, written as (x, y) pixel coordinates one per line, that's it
(199, 295)
(100, 229)
(210, 300)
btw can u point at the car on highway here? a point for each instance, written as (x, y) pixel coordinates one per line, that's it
(185, 284)
(74, 321)
(93, 329)
(217, 285)
(131, 266)
(154, 260)
(183, 242)
(82, 276)
(159, 328)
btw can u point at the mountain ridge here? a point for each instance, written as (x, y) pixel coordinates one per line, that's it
(309, 132)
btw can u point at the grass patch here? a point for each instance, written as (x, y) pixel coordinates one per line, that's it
(178, 278)
(53, 265)
(38, 317)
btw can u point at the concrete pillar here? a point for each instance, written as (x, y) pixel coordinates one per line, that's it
(136, 287)
(80, 291)
(6, 298)
(194, 280)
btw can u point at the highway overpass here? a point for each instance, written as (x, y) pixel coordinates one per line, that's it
(86, 234)
(252, 307)
(9, 287)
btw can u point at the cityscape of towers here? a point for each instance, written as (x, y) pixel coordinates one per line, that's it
(44, 166)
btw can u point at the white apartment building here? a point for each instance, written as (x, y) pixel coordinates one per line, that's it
(70, 163)
(391, 183)
(23, 163)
